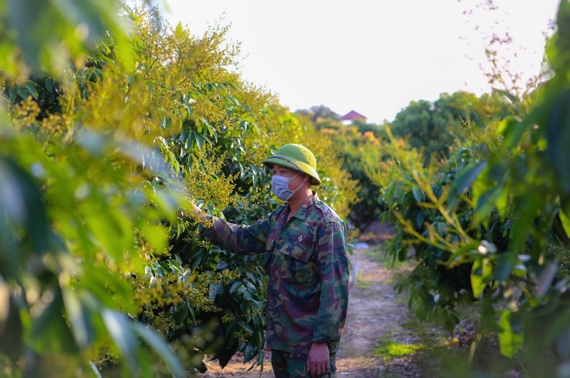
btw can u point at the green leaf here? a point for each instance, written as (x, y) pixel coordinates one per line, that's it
(111, 231)
(95, 369)
(156, 235)
(510, 342)
(502, 200)
(488, 318)
(49, 329)
(21, 92)
(481, 274)
(557, 330)
(234, 288)
(160, 347)
(99, 281)
(12, 92)
(246, 327)
(512, 98)
(418, 195)
(80, 24)
(523, 225)
(79, 318)
(420, 217)
(11, 327)
(565, 222)
(464, 180)
(32, 90)
(118, 326)
(505, 264)
(166, 201)
(513, 130)
(222, 265)
(558, 137)
(214, 290)
(22, 204)
(486, 203)
(199, 140)
(249, 353)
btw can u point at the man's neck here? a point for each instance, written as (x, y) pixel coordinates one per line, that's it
(299, 200)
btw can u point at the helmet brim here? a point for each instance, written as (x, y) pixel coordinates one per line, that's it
(294, 165)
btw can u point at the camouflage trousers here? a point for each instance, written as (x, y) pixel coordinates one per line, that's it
(292, 365)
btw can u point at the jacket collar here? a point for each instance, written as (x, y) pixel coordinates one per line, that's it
(302, 213)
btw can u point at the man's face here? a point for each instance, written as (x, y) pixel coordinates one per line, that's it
(298, 177)
(279, 170)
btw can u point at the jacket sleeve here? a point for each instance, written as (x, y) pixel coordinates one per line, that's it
(238, 238)
(333, 273)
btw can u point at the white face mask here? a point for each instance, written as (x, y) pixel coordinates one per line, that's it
(280, 187)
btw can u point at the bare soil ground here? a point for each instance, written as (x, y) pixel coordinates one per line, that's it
(375, 311)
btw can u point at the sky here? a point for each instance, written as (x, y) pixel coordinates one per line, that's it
(371, 56)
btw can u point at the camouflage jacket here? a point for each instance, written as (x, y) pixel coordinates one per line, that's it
(307, 266)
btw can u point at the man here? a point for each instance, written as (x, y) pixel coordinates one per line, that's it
(307, 295)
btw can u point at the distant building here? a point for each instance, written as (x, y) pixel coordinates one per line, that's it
(352, 116)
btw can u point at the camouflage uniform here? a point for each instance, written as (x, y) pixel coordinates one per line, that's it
(307, 266)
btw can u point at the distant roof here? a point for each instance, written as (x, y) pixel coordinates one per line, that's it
(352, 115)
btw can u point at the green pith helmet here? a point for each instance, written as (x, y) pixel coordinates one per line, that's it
(296, 157)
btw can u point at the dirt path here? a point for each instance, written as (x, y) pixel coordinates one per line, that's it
(375, 312)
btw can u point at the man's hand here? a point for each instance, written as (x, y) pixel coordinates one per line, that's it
(318, 359)
(190, 210)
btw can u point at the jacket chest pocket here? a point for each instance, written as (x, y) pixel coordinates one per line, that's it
(299, 265)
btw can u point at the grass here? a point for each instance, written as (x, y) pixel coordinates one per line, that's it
(390, 349)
